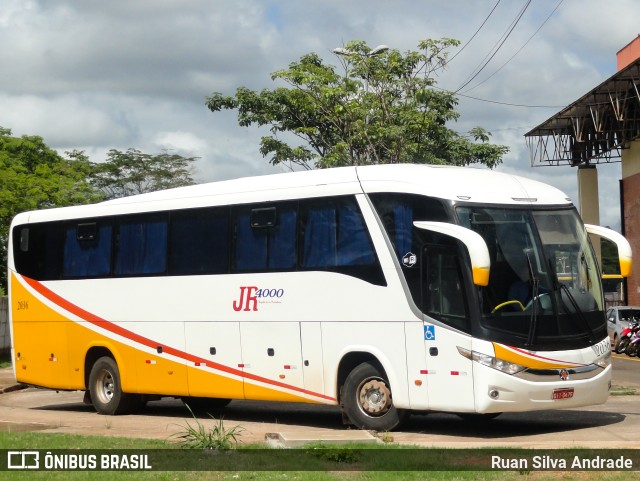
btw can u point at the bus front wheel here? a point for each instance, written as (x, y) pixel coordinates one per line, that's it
(106, 391)
(367, 399)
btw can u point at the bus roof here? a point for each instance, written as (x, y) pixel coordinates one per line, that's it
(461, 184)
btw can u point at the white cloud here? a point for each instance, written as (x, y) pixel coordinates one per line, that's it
(68, 119)
(99, 75)
(185, 143)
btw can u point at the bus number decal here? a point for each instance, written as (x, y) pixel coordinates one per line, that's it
(23, 305)
(251, 296)
(272, 293)
(602, 348)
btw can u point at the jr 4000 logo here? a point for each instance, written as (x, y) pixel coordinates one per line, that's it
(251, 296)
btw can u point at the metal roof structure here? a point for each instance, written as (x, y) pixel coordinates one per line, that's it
(595, 128)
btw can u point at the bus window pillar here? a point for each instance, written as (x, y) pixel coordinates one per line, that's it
(589, 201)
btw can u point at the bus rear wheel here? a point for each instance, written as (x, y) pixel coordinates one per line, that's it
(106, 390)
(367, 400)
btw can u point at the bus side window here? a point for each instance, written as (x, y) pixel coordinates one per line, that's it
(87, 250)
(24, 239)
(40, 256)
(282, 240)
(199, 242)
(265, 238)
(142, 246)
(251, 245)
(397, 213)
(443, 290)
(335, 235)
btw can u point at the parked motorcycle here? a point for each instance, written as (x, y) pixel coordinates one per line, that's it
(626, 335)
(633, 347)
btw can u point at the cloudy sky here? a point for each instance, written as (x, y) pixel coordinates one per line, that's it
(96, 75)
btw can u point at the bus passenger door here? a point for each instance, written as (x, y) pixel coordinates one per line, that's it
(449, 375)
(272, 360)
(215, 371)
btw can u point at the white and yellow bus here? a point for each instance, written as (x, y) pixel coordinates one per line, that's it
(382, 289)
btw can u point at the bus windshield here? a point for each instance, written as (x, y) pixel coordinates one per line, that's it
(544, 289)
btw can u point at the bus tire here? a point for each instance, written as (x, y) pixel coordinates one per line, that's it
(367, 400)
(106, 390)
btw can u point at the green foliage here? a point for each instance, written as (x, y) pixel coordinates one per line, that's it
(34, 176)
(135, 172)
(217, 437)
(384, 108)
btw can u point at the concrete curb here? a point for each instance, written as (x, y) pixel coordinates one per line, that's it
(295, 439)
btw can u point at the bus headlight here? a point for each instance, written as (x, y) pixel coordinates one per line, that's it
(492, 362)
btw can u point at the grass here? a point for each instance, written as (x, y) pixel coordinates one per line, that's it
(623, 391)
(217, 437)
(325, 459)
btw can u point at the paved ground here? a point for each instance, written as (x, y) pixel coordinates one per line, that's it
(615, 424)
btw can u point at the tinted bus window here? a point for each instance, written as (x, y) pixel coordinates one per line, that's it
(38, 250)
(265, 238)
(398, 213)
(443, 288)
(199, 242)
(334, 237)
(87, 250)
(142, 247)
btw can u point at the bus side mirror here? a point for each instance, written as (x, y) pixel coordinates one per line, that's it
(475, 244)
(624, 248)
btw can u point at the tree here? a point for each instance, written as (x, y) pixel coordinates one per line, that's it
(135, 172)
(385, 108)
(34, 176)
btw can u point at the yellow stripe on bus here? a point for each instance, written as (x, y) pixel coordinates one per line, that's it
(529, 360)
(51, 350)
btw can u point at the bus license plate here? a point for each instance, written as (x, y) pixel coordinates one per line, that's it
(562, 393)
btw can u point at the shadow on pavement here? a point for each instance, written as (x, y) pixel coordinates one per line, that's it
(507, 425)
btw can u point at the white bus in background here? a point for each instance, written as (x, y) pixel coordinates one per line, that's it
(382, 289)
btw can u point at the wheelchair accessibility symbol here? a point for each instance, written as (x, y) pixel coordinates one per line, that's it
(429, 333)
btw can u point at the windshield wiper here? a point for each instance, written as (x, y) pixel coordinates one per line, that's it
(535, 283)
(577, 310)
(557, 285)
(583, 260)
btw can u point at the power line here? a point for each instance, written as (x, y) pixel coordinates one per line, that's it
(476, 32)
(511, 104)
(496, 47)
(497, 102)
(519, 50)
